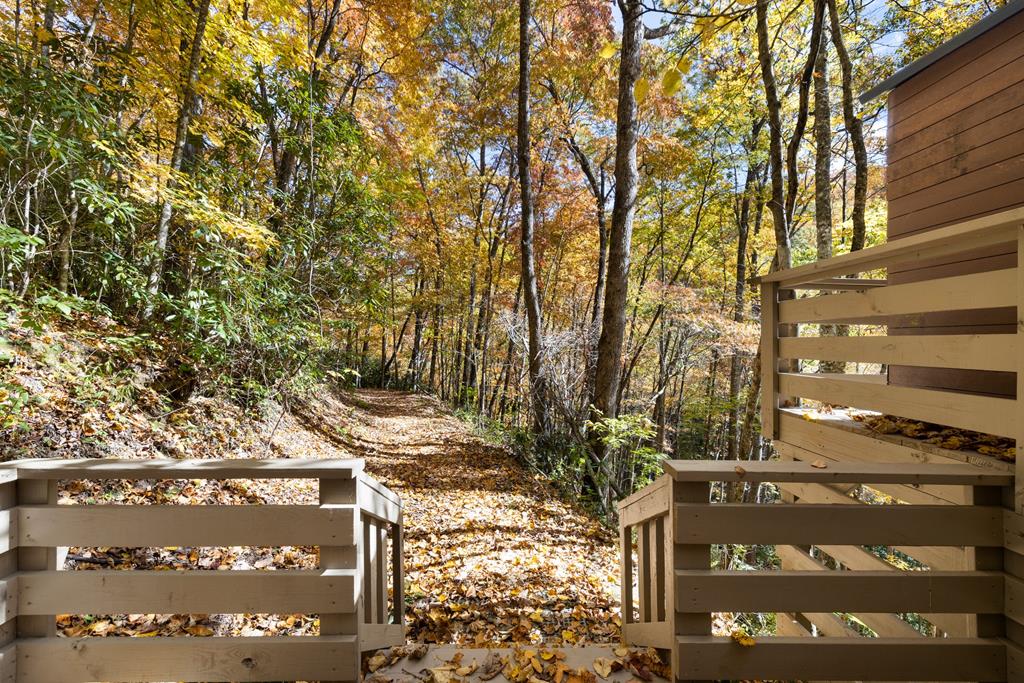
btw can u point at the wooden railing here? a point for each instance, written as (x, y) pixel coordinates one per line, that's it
(679, 506)
(787, 320)
(351, 526)
(646, 516)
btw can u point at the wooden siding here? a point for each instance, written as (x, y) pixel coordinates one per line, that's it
(956, 151)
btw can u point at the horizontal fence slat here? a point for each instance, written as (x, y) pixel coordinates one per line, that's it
(840, 284)
(997, 228)
(839, 591)
(807, 524)
(649, 502)
(185, 525)
(166, 468)
(272, 658)
(992, 289)
(835, 473)
(917, 494)
(980, 413)
(995, 352)
(843, 659)
(848, 441)
(856, 558)
(186, 592)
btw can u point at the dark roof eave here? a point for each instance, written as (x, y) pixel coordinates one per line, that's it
(964, 37)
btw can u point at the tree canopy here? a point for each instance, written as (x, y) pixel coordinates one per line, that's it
(288, 193)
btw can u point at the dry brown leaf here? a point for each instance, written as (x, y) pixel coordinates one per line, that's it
(492, 666)
(377, 661)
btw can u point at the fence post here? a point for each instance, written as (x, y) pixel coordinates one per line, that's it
(689, 556)
(8, 567)
(342, 492)
(398, 572)
(770, 360)
(626, 574)
(1018, 486)
(37, 492)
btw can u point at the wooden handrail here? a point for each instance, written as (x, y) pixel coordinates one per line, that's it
(169, 468)
(835, 473)
(356, 527)
(840, 284)
(998, 228)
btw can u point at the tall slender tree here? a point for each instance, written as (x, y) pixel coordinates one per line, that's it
(529, 268)
(855, 129)
(185, 111)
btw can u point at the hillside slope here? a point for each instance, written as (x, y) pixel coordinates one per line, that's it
(493, 555)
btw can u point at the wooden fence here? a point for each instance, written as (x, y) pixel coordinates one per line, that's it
(678, 590)
(356, 521)
(920, 308)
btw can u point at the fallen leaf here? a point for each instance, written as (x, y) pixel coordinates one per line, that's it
(377, 661)
(491, 667)
(743, 638)
(603, 667)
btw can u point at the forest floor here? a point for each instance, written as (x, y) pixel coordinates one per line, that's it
(494, 555)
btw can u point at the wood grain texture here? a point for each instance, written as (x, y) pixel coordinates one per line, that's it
(166, 468)
(144, 526)
(80, 660)
(837, 659)
(812, 524)
(842, 591)
(845, 472)
(953, 239)
(985, 414)
(112, 591)
(949, 65)
(962, 292)
(968, 351)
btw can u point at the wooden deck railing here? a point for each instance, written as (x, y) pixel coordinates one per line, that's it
(842, 300)
(351, 526)
(677, 514)
(646, 514)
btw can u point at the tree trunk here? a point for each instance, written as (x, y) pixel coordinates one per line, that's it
(417, 337)
(529, 269)
(609, 348)
(855, 129)
(822, 156)
(739, 293)
(806, 77)
(177, 153)
(823, 178)
(776, 204)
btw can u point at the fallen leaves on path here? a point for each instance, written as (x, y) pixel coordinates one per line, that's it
(493, 555)
(518, 664)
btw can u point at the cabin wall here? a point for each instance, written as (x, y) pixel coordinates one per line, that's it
(956, 151)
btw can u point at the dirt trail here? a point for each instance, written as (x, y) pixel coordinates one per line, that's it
(493, 554)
